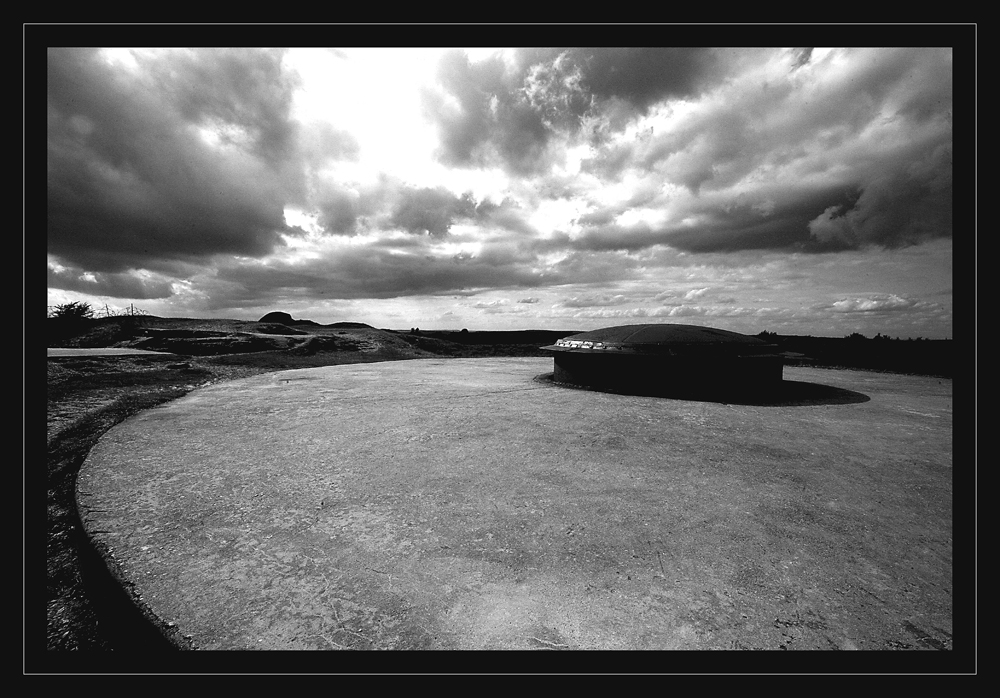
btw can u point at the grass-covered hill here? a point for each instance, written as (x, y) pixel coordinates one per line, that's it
(279, 334)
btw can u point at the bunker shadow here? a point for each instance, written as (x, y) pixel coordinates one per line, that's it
(781, 394)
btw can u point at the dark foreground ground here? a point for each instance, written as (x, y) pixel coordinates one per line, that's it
(84, 607)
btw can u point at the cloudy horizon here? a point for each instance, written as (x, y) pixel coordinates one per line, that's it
(798, 190)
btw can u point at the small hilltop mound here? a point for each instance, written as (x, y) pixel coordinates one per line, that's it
(287, 320)
(284, 319)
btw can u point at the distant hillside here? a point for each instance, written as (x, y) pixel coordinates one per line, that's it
(539, 337)
(275, 334)
(213, 337)
(462, 343)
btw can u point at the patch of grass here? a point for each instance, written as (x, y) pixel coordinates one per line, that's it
(127, 379)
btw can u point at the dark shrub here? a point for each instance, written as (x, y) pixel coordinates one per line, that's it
(67, 321)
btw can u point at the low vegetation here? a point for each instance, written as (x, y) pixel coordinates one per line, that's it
(880, 353)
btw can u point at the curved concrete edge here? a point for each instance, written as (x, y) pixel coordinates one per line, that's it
(65, 352)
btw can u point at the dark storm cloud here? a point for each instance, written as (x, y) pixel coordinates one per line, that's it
(601, 217)
(714, 228)
(390, 204)
(243, 88)
(493, 119)
(347, 210)
(723, 143)
(430, 211)
(858, 157)
(593, 267)
(338, 210)
(493, 111)
(131, 181)
(112, 285)
(908, 204)
(644, 76)
(505, 216)
(785, 225)
(374, 272)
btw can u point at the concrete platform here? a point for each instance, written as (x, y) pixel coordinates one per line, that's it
(466, 504)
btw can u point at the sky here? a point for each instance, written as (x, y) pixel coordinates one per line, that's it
(792, 190)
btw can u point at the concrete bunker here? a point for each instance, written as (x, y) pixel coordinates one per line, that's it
(668, 360)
